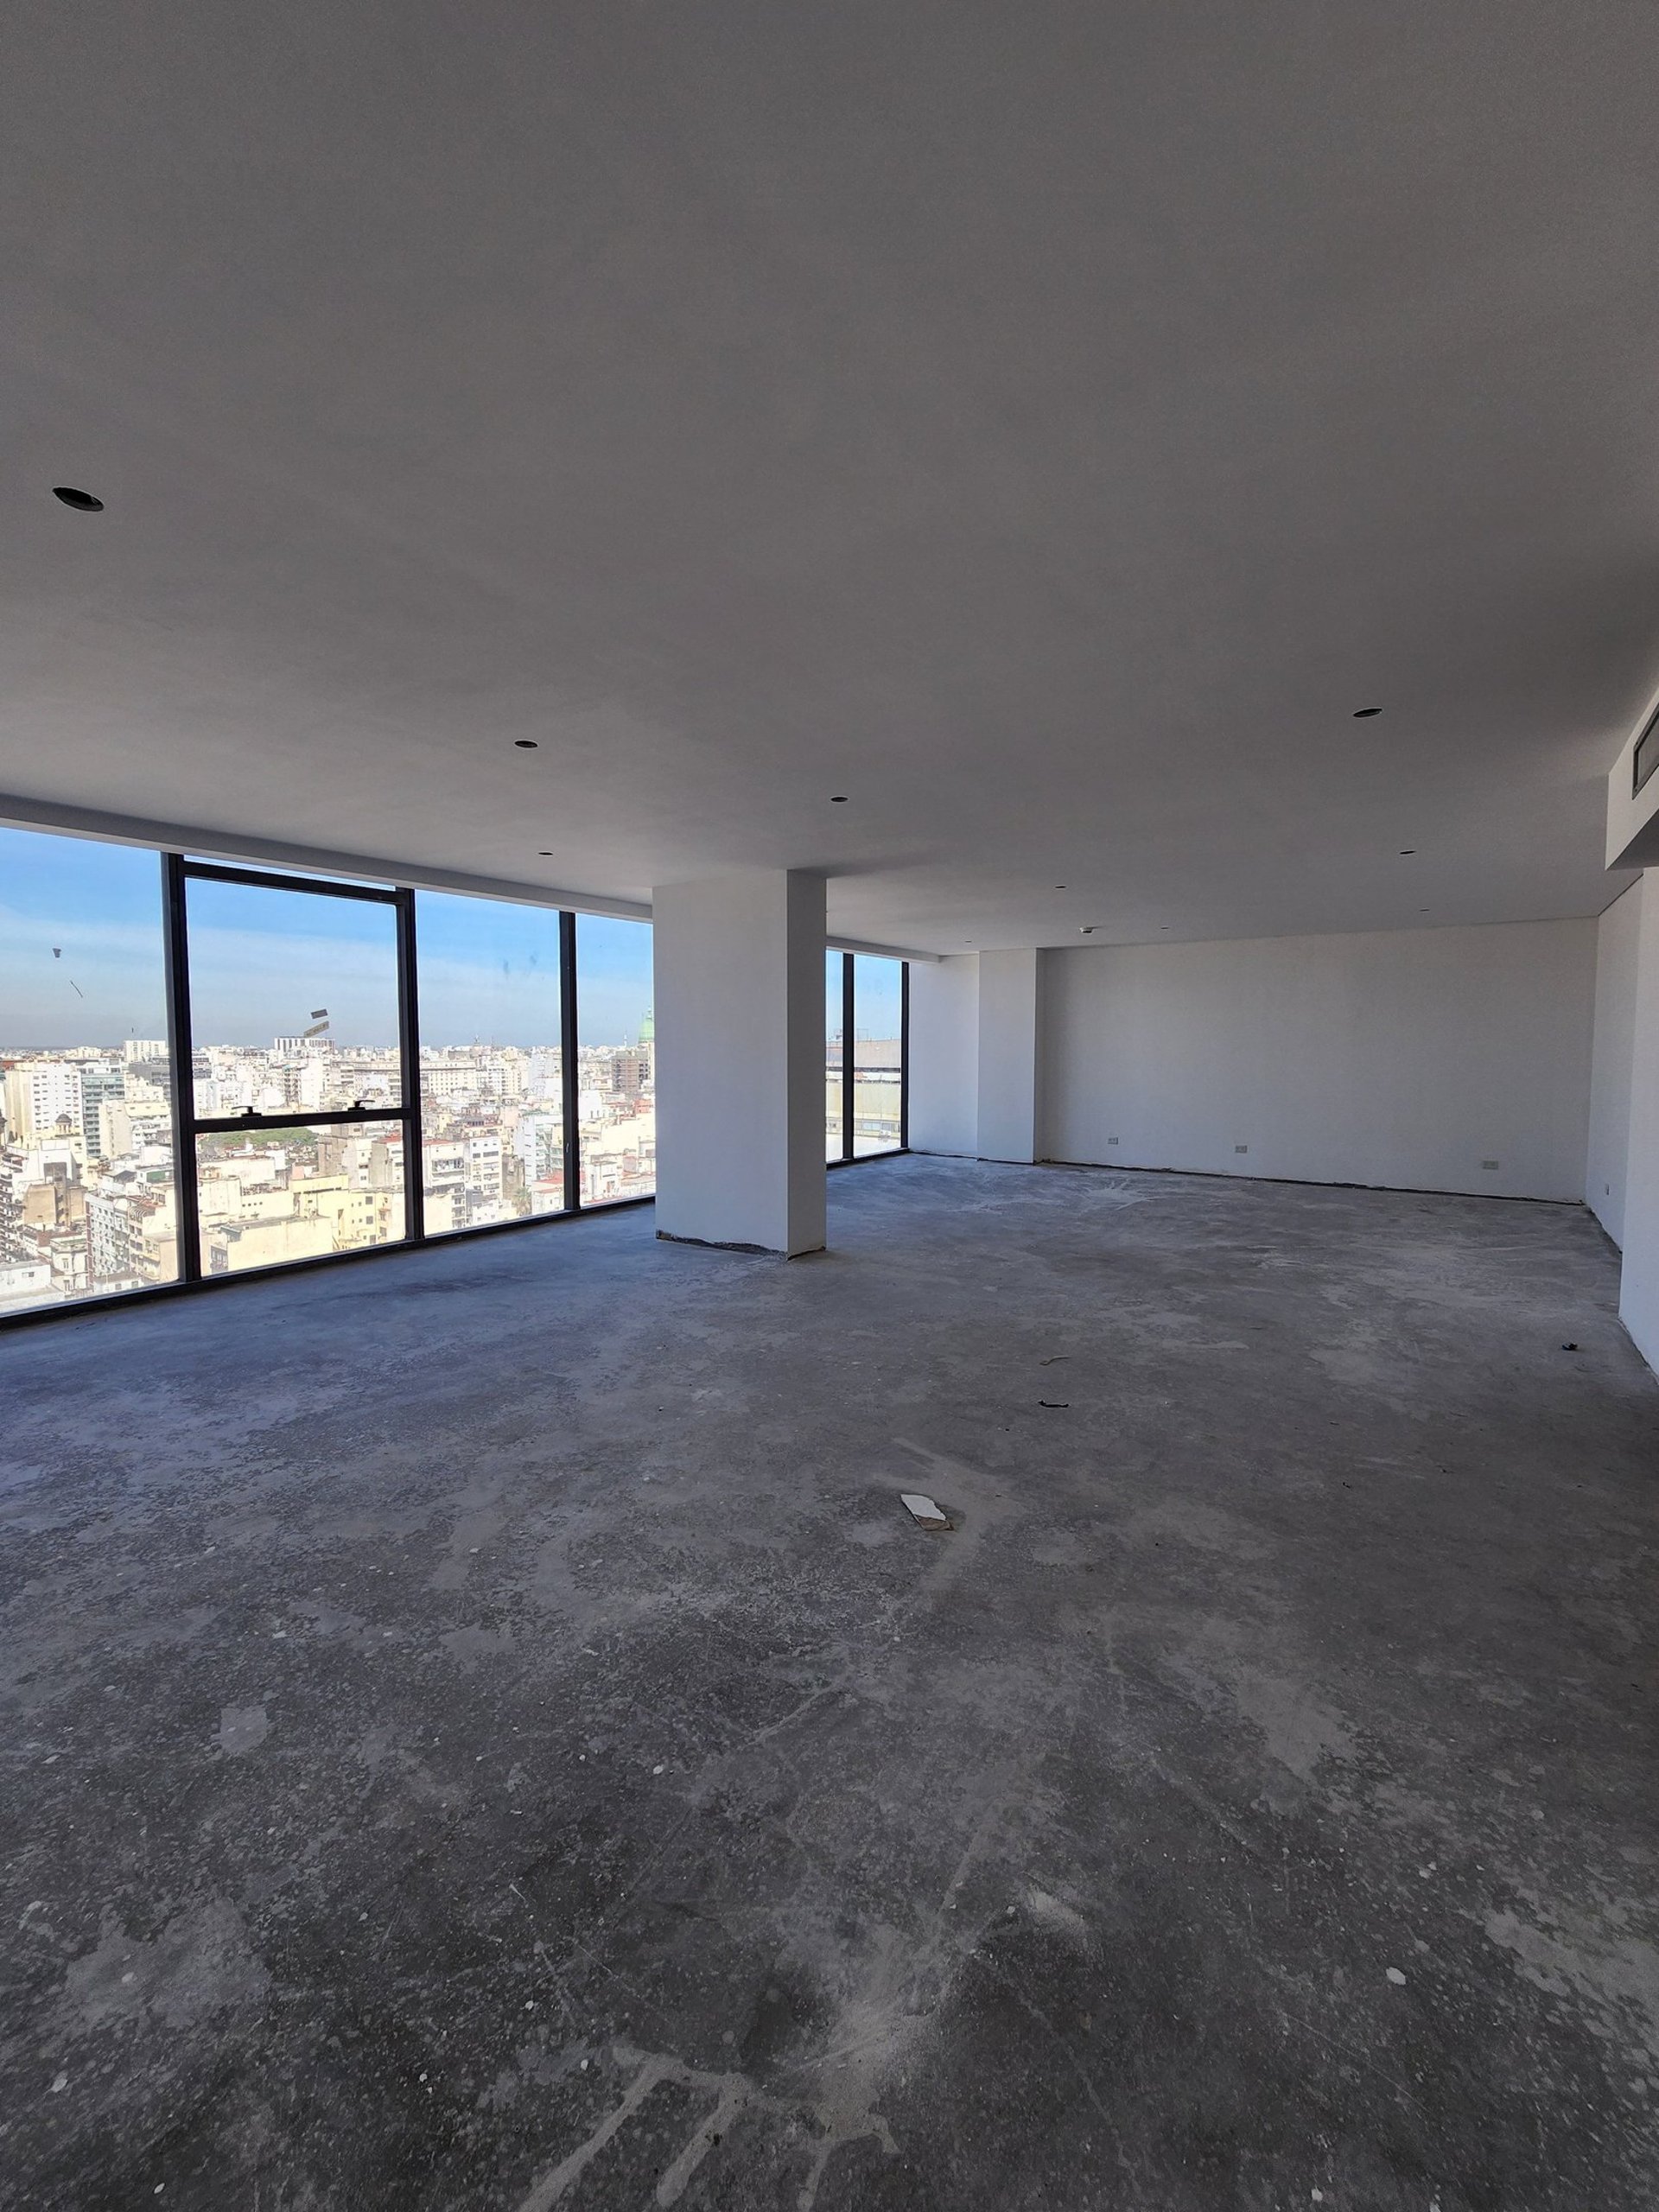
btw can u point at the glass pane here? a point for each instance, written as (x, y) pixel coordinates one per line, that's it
(616, 1094)
(834, 964)
(298, 1193)
(293, 1000)
(877, 1072)
(492, 1070)
(86, 1194)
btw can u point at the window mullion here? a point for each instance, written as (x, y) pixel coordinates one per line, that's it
(182, 1060)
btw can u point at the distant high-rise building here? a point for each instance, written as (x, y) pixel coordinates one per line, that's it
(630, 1070)
(101, 1082)
(39, 1095)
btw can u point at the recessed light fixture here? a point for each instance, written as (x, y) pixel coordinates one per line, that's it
(1406, 851)
(83, 502)
(1059, 887)
(1364, 714)
(1088, 928)
(543, 856)
(525, 744)
(839, 799)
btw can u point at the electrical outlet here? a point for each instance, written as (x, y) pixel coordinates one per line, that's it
(1489, 1164)
(1241, 1147)
(1111, 1139)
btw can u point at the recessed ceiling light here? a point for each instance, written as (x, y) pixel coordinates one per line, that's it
(1059, 887)
(1364, 714)
(83, 502)
(839, 799)
(1088, 928)
(525, 744)
(543, 856)
(1406, 851)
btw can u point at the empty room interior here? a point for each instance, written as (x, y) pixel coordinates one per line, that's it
(922, 1474)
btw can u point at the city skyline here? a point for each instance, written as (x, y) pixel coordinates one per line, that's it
(294, 1015)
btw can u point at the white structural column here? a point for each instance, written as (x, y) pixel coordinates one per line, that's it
(739, 1014)
(1009, 1037)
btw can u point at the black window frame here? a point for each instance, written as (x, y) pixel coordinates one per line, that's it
(177, 870)
(1645, 757)
(850, 1158)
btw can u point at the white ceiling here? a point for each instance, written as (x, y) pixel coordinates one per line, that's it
(1044, 423)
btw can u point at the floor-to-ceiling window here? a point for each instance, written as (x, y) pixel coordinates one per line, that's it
(867, 1001)
(616, 1053)
(357, 1064)
(298, 1079)
(493, 1119)
(835, 1083)
(877, 1070)
(88, 1198)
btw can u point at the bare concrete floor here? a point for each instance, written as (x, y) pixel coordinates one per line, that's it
(481, 1731)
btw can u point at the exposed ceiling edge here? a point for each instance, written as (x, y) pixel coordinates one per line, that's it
(880, 951)
(225, 845)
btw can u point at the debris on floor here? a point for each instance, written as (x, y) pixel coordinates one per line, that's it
(1056, 1405)
(924, 1511)
(1053, 1359)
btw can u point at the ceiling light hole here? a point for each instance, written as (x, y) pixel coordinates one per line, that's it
(525, 744)
(1364, 714)
(1407, 851)
(839, 799)
(82, 502)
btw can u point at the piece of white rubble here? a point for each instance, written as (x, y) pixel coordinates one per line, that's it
(924, 1511)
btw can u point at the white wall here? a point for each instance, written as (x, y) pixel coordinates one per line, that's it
(1010, 1032)
(1638, 1301)
(1401, 1058)
(1611, 1061)
(944, 1054)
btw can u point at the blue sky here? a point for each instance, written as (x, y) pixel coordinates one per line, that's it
(81, 959)
(876, 996)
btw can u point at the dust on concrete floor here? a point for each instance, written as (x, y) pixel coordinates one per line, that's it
(481, 1731)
